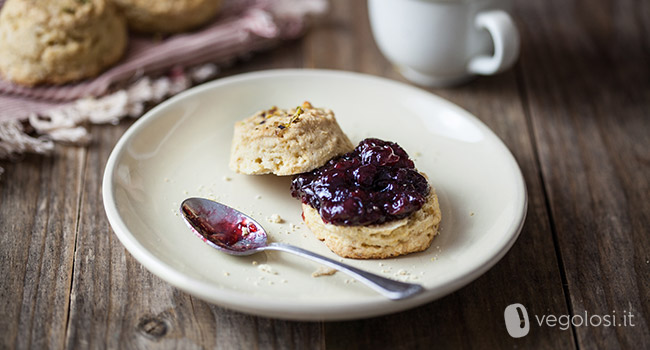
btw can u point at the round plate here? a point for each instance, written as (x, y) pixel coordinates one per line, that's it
(180, 149)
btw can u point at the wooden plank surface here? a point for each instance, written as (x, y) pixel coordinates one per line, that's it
(477, 308)
(39, 200)
(574, 112)
(587, 80)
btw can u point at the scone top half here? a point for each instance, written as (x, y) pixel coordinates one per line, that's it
(287, 141)
(60, 14)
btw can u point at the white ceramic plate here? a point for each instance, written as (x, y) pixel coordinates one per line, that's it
(180, 149)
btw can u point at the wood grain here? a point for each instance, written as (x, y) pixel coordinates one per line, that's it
(476, 311)
(39, 217)
(586, 75)
(574, 112)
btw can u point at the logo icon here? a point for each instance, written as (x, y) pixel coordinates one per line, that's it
(516, 318)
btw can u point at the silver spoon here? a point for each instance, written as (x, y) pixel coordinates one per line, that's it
(236, 233)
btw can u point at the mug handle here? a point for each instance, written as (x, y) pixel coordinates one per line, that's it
(505, 37)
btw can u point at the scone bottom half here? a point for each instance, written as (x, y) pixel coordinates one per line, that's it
(369, 203)
(287, 141)
(388, 240)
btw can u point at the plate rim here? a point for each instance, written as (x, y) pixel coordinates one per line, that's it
(261, 307)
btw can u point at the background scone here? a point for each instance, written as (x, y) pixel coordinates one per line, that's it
(287, 142)
(390, 239)
(58, 41)
(167, 16)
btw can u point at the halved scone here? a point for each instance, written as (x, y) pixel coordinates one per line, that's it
(390, 239)
(287, 141)
(369, 203)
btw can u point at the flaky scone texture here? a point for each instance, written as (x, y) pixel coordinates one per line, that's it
(167, 16)
(59, 41)
(287, 141)
(412, 234)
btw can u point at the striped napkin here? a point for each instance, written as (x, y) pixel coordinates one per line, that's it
(152, 70)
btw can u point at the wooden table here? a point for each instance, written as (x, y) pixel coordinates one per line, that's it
(575, 111)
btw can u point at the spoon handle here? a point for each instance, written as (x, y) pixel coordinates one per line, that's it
(392, 289)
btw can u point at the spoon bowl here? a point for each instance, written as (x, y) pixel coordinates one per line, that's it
(223, 227)
(233, 232)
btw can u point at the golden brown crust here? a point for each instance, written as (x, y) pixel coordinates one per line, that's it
(409, 235)
(167, 16)
(281, 142)
(59, 41)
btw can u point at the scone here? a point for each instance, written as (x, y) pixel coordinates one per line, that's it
(167, 16)
(370, 203)
(390, 239)
(287, 141)
(59, 41)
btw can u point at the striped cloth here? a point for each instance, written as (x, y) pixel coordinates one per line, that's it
(243, 27)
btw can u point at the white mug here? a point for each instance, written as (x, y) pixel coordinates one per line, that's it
(445, 42)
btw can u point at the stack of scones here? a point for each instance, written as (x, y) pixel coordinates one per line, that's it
(61, 41)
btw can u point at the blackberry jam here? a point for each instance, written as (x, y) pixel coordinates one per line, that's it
(373, 184)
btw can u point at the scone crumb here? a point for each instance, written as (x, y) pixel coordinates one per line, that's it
(254, 263)
(323, 271)
(227, 178)
(258, 197)
(275, 218)
(267, 268)
(471, 213)
(404, 275)
(226, 273)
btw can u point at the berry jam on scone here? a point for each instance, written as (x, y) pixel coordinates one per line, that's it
(369, 203)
